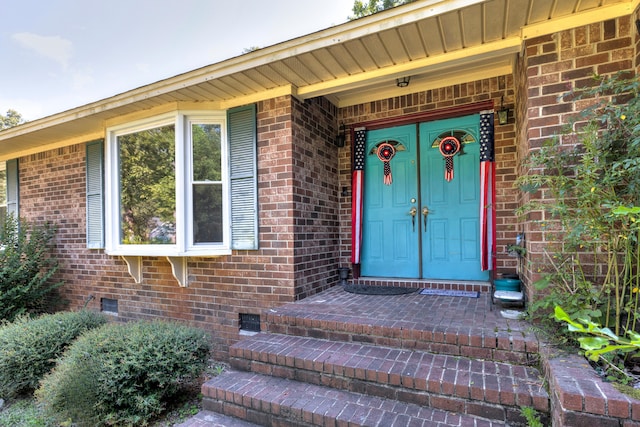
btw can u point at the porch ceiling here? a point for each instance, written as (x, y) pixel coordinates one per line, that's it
(435, 42)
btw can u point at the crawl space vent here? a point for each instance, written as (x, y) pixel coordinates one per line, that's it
(109, 305)
(249, 322)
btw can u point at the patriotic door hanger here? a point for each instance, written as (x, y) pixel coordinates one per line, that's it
(449, 147)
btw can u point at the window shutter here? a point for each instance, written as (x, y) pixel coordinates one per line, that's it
(243, 177)
(95, 198)
(13, 187)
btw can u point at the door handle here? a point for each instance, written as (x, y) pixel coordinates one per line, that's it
(425, 213)
(413, 212)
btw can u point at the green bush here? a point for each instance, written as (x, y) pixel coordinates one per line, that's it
(29, 347)
(124, 374)
(587, 183)
(26, 267)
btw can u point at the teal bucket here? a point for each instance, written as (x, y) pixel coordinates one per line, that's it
(507, 285)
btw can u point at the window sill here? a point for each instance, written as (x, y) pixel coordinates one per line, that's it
(179, 263)
(168, 252)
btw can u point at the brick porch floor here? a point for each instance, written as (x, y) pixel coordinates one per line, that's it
(339, 358)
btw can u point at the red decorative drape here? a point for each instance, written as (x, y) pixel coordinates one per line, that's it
(357, 188)
(487, 192)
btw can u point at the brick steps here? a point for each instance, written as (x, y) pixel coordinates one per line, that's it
(484, 388)
(340, 359)
(519, 347)
(274, 401)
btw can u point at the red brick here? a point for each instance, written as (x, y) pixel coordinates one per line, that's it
(590, 60)
(614, 44)
(584, 419)
(618, 406)
(570, 395)
(615, 67)
(578, 73)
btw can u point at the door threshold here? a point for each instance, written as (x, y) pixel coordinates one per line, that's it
(457, 285)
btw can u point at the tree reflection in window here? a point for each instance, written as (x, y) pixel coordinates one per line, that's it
(147, 182)
(207, 183)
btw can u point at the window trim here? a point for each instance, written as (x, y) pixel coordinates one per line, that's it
(12, 168)
(184, 245)
(191, 246)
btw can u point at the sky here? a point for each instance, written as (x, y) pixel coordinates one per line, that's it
(56, 55)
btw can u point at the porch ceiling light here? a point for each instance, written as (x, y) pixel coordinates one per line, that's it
(403, 81)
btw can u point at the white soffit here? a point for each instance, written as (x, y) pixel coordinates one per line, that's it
(435, 42)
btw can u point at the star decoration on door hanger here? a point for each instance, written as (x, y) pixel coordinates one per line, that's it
(449, 147)
(385, 153)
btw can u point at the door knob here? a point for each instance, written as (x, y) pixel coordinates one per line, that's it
(413, 212)
(425, 213)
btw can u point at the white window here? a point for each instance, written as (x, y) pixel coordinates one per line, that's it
(3, 192)
(9, 189)
(170, 185)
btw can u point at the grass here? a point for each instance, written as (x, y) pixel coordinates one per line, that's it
(629, 391)
(24, 412)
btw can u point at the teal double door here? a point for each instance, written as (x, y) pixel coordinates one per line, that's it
(423, 225)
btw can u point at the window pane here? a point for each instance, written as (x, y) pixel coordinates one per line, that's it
(207, 213)
(206, 152)
(148, 186)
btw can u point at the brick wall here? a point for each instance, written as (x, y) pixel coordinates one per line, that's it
(551, 66)
(432, 100)
(315, 183)
(53, 189)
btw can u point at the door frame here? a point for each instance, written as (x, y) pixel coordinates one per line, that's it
(427, 116)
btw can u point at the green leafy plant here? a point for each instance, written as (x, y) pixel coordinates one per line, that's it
(517, 250)
(569, 287)
(29, 347)
(532, 416)
(587, 184)
(124, 374)
(601, 344)
(26, 267)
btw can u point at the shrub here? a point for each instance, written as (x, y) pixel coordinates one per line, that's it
(587, 183)
(29, 347)
(124, 374)
(26, 267)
